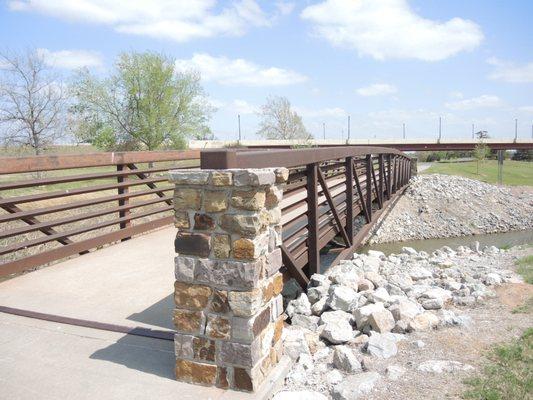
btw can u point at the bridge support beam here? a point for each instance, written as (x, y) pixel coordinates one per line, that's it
(228, 301)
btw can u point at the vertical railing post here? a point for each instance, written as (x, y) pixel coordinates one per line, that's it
(123, 201)
(389, 176)
(369, 185)
(349, 198)
(381, 176)
(312, 219)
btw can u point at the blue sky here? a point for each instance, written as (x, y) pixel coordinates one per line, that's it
(383, 62)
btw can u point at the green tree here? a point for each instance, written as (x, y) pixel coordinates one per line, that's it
(481, 151)
(144, 104)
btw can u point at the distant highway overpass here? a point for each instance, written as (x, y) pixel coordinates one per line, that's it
(400, 144)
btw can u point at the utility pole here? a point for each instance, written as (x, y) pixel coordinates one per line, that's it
(348, 127)
(239, 121)
(403, 126)
(515, 129)
(324, 130)
(472, 131)
(440, 128)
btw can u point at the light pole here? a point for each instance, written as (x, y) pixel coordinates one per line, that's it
(239, 122)
(440, 128)
(324, 130)
(515, 129)
(472, 131)
(403, 127)
(348, 127)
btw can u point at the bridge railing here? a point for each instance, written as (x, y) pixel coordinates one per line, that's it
(331, 192)
(52, 207)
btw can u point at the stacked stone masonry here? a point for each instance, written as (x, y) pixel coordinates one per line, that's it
(228, 314)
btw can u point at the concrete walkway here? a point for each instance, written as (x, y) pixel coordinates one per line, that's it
(130, 284)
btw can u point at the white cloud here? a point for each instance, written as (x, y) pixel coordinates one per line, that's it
(386, 29)
(376, 89)
(239, 71)
(71, 59)
(236, 106)
(483, 101)
(526, 109)
(333, 112)
(510, 72)
(177, 20)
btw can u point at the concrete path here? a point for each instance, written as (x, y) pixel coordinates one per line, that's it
(130, 284)
(423, 166)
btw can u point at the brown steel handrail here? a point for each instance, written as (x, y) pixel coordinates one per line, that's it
(42, 223)
(319, 203)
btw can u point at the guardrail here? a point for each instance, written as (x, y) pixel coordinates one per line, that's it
(52, 207)
(331, 192)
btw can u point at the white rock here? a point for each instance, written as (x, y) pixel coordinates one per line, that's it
(375, 253)
(418, 273)
(337, 332)
(440, 366)
(423, 322)
(365, 284)
(381, 321)
(409, 251)
(301, 305)
(404, 309)
(334, 316)
(345, 360)
(361, 314)
(381, 346)
(299, 395)
(395, 372)
(432, 304)
(341, 298)
(334, 377)
(305, 321)
(492, 279)
(355, 386)
(294, 343)
(319, 307)
(380, 295)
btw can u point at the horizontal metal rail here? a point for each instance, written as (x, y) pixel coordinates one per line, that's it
(101, 200)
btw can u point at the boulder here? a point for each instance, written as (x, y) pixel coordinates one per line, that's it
(319, 307)
(334, 316)
(492, 279)
(337, 332)
(341, 298)
(382, 346)
(301, 305)
(361, 314)
(334, 377)
(365, 284)
(381, 321)
(380, 295)
(345, 360)
(305, 321)
(432, 304)
(294, 343)
(441, 366)
(404, 309)
(423, 322)
(355, 386)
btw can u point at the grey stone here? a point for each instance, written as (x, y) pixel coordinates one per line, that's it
(319, 307)
(189, 177)
(294, 343)
(244, 225)
(183, 346)
(361, 314)
(404, 309)
(184, 268)
(345, 360)
(334, 316)
(254, 177)
(381, 346)
(305, 321)
(233, 274)
(442, 366)
(337, 332)
(341, 298)
(432, 304)
(301, 305)
(492, 279)
(316, 293)
(355, 386)
(245, 355)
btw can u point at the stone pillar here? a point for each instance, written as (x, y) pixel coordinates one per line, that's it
(228, 285)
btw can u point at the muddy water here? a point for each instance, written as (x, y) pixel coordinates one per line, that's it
(500, 240)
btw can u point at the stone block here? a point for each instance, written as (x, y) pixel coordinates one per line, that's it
(203, 222)
(203, 349)
(188, 177)
(189, 321)
(268, 291)
(215, 201)
(273, 196)
(232, 274)
(243, 355)
(247, 329)
(274, 262)
(278, 330)
(249, 249)
(194, 372)
(191, 296)
(224, 376)
(184, 268)
(183, 346)
(245, 304)
(256, 177)
(219, 302)
(218, 327)
(195, 244)
(187, 199)
(270, 217)
(181, 220)
(243, 225)
(277, 307)
(221, 246)
(277, 283)
(220, 178)
(252, 200)
(282, 174)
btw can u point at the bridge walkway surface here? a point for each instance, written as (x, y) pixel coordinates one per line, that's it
(128, 284)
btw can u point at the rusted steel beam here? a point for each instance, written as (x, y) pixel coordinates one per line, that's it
(376, 188)
(349, 197)
(12, 165)
(45, 257)
(312, 219)
(369, 185)
(123, 213)
(295, 272)
(361, 197)
(144, 176)
(381, 178)
(332, 208)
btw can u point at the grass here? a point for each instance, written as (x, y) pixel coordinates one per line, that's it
(515, 173)
(525, 268)
(525, 308)
(508, 373)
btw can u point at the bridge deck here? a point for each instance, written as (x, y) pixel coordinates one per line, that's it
(125, 284)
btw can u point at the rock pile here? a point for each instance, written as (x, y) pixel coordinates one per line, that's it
(437, 206)
(362, 308)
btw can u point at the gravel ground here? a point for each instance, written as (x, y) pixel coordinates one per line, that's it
(439, 206)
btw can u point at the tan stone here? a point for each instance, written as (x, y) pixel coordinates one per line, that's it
(277, 282)
(215, 200)
(187, 199)
(244, 225)
(194, 372)
(282, 174)
(219, 178)
(245, 304)
(181, 220)
(189, 321)
(218, 327)
(270, 217)
(278, 330)
(273, 196)
(244, 249)
(268, 291)
(221, 246)
(252, 200)
(194, 297)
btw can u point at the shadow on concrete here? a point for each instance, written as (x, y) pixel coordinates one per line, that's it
(158, 314)
(152, 356)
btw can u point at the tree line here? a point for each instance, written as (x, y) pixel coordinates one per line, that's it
(144, 103)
